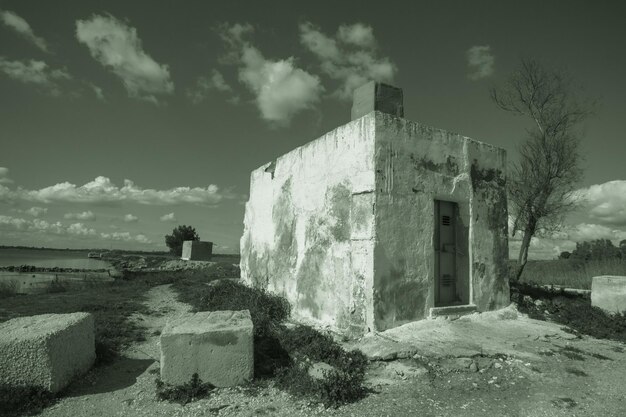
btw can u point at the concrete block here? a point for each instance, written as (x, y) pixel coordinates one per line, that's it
(195, 250)
(47, 350)
(217, 345)
(609, 293)
(375, 96)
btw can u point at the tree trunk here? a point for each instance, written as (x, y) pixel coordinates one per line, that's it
(523, 251)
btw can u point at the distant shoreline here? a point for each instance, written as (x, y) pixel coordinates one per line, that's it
(120, 251)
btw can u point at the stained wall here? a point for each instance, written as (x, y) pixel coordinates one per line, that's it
(416, 165)
(343, 226)
(308, 227)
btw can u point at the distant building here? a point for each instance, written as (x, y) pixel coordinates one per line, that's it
(195, 250)
(380, 222)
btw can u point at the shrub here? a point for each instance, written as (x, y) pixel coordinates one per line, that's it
(183, 394)
(56, 286)
(267, 310)
(342, 385)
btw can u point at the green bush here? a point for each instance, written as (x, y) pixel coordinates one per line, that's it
(306, 345)
(267, 310)
(183, 394)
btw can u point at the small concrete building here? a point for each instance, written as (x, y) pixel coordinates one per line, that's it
(380, 222)
(195, 250)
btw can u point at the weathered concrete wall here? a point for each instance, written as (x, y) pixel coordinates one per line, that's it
(308, 227)
(343, 226)
(416, 165)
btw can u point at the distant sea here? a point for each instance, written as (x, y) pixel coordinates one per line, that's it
(47, 258)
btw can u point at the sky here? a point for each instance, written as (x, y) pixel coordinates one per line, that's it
(121, 120)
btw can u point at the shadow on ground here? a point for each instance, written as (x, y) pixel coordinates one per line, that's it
(118, 375)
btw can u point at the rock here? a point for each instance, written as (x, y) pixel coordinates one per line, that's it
(463, 363)
(47, 350)
(473, 367)
(404, 370)
(539, 303)
(497, 365)
(457, 364)
(483, 362)
(319, 369)
(382, 349)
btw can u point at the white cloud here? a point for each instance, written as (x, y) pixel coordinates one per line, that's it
(357, 34)
(587, 232)
(169, 217)
(35, 225)
(204, 85)
(102, 191)
(9, 224)
(36, 211)
(4, 176)
(480, 62)
(97, 92)
(85, 215)
(605, 203)
(34, 72)
(116, 45)
(13, 222)
(142, 239)
(79, 229)
(21, 26)
(125, 237)
(542, 248)
(281, 88)
(350, 57)
(129, 218)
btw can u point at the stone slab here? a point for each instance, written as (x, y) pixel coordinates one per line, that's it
(452, 311)
(217, 345)
(609, 293)
(47, 350)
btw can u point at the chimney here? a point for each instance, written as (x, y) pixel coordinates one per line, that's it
(377, 96)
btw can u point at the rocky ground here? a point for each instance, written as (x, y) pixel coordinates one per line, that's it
(495, 364)
(132, 266)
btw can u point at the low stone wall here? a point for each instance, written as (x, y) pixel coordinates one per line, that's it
(47, 350)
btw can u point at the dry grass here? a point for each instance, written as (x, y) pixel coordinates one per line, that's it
(570, 272)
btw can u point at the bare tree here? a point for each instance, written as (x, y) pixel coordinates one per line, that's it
(542, 181)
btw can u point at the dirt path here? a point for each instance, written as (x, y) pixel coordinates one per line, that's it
(163, 305)
(117, 389)
(541, 376)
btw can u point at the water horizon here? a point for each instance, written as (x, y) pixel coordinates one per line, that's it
(50, 258)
